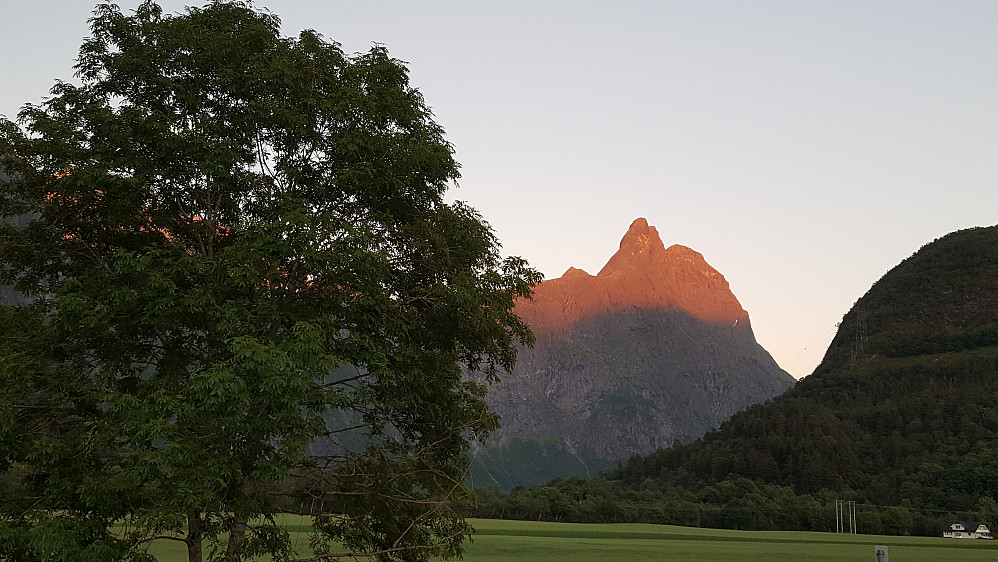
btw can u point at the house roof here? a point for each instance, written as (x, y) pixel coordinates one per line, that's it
(967, 525)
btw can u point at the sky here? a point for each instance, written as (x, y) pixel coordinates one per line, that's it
(804, 147)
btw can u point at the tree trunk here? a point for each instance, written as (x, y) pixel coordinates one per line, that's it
(237, 530)
(236, 535)
(193, 540)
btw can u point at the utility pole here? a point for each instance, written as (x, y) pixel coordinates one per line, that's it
(842, 507)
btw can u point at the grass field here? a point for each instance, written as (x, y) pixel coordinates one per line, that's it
(519, 540)
(524, 541)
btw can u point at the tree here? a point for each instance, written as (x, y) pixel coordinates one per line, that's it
(236, 246)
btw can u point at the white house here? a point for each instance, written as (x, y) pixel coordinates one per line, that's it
(967, 530)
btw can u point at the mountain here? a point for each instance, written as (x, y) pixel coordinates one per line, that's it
(653, 349)
(901, 416)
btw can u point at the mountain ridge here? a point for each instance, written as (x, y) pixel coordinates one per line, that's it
(900, 419)
(643, 273)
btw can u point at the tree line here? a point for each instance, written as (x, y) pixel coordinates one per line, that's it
(734, 503)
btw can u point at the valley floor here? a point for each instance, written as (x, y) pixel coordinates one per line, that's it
(513, 541)
(538, 541)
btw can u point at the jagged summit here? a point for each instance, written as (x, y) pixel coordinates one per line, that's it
(575, 272)
(641, 243)
(642, 274)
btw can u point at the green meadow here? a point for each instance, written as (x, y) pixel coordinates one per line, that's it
(496, 541)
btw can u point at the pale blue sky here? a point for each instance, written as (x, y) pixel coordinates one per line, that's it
(803, 147)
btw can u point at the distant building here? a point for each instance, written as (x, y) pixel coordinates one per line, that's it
(967, 530)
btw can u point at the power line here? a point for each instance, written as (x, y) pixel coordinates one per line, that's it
(810, 348)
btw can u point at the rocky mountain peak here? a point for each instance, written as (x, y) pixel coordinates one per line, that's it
(641, 242)
(642, 274)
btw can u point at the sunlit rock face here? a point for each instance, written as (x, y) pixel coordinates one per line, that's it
(643, 274)
(653, 348)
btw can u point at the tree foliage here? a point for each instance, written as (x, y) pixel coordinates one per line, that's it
(217, 223)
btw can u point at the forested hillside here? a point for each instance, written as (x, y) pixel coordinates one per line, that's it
(901, 417)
